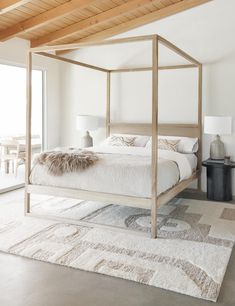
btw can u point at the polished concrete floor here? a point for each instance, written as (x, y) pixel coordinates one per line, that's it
(8, 181)
(26, 282)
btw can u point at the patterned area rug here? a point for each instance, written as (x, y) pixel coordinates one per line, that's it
(190, 256)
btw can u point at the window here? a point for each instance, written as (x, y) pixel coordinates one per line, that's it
(13, 101)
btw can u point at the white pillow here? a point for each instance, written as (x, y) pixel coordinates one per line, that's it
(185, 145)
(140, 141)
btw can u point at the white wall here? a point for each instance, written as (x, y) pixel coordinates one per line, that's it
(219, 99)
(132, 96)
(83, 92)
(14, 52)
(207, 33)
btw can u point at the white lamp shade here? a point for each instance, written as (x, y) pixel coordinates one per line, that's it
(87, 123)
(218, 125)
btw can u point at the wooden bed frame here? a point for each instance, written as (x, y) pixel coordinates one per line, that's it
(153, 129)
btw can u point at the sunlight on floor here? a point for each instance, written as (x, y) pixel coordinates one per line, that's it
(8, 181)
(12, 204)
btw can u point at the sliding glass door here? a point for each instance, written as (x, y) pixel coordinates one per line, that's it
(13, 123)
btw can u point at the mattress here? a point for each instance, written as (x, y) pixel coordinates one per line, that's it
(122, 170)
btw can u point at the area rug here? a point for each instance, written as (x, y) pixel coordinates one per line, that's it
(190, 255)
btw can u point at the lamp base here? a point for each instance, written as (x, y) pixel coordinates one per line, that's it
(86, 140)
(217, 150)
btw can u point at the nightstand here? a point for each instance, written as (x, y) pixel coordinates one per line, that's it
(219, 180)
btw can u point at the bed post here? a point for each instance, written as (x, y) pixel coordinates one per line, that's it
(154, 135)
(28, 131)
(108, 104)
(199, 184)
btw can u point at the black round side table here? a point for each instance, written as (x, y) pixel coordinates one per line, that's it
(219, 180)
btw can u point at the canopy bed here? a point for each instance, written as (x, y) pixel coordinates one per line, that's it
(154, 199)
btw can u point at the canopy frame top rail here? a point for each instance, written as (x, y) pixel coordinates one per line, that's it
(43, 51)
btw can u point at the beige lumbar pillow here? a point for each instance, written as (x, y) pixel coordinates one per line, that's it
(121, 141)
(168, 144)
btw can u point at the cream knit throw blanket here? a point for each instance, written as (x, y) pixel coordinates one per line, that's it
(59, 162)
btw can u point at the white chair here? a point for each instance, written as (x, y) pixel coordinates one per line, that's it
(11, 151)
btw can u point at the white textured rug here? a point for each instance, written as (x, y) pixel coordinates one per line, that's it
(190, 256)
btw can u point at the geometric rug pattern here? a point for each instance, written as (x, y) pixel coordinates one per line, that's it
(190, 256)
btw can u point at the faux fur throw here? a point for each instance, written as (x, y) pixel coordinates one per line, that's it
(59, 162)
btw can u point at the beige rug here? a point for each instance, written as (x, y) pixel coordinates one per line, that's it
(190, 256)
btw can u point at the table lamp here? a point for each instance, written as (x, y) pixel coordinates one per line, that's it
(217, 125)
(87, 123)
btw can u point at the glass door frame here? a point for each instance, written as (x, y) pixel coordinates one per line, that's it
(44, 112)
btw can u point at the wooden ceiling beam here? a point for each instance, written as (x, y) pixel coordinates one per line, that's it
(44, 18)
(137, 22)
(90, 22)
(9, 5)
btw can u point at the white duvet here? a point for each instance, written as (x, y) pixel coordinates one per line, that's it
(122, 170)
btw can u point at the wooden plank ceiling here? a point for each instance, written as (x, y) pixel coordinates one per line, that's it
(52, 22)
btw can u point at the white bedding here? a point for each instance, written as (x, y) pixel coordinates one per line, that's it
(122, 170)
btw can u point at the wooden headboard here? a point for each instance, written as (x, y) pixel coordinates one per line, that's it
(174, 129)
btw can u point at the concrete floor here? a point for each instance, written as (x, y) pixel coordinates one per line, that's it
(8, 181)
(26, 282)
